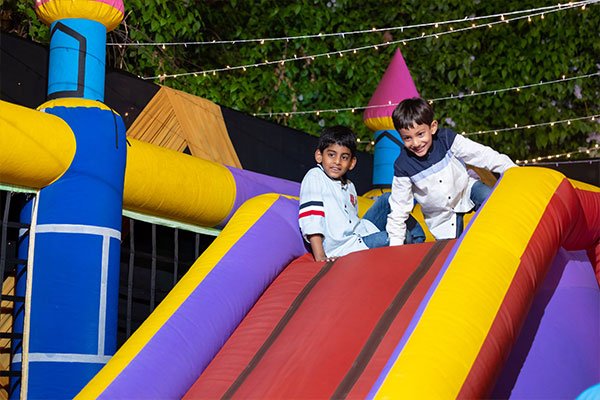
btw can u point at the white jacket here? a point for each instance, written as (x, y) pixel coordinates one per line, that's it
(439, 182)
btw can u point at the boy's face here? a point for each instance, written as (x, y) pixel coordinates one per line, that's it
(418, 138)
(336, 160)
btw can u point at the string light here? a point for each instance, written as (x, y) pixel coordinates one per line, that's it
(557, 163)
(367, 47)
(517, 127)
(262, 41)
(431, 101)
(539, 160)
(536, 160)
(404, 41)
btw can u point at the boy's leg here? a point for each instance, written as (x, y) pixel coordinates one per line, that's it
(460, 223)
(414, 231)
(378, 239)
(479, 193)
(414, 234)
(379, 211)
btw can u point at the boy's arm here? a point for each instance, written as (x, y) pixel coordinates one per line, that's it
(481, 156)
(311, 216)
(401, 204)
(316, 245)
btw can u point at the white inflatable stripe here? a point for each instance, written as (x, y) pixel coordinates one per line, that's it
(62, 357)
(85, 229)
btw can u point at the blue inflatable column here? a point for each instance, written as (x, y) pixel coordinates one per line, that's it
(76, 221)
(387, 148)
(395, 85)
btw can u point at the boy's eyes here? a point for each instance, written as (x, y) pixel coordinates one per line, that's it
(344, 157)
(409, 138)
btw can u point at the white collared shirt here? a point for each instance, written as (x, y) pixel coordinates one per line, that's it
(330, 208)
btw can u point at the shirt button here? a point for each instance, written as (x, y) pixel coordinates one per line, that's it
(440, 181)
(449, 197)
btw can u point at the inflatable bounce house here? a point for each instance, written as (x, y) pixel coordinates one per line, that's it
(510, 309)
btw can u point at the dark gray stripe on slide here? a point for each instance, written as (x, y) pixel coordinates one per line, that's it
(277, 330)
(384, 323)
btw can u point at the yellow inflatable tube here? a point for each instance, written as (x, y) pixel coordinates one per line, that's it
(168, 184)
(37, 148)
(474, 314)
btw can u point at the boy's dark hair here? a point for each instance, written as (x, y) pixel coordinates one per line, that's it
(337, 134)
(413, 111)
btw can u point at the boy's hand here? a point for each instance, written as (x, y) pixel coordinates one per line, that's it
(324, 258)
(316, 244)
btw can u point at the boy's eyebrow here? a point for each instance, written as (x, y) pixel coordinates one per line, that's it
(343, 153)
(416, 131)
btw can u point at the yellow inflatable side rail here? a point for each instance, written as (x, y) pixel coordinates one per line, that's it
(37, 147)
(165, 183)
(158, 181)
(457, 348)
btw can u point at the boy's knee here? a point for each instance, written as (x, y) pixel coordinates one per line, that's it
(414, 231)
(414, 237)
(479, 193)
(384, 196)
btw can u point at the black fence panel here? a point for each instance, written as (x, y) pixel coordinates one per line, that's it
(153, 259)
(11, 272)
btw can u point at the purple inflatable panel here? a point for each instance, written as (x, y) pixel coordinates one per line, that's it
(249, 184)
(175, 356)
(557, 354)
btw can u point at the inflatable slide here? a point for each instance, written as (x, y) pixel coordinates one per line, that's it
(510, 309)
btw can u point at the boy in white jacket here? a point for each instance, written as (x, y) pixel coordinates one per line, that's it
(432, 171)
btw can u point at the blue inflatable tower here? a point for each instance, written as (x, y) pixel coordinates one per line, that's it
(395, 86)
(74, 241)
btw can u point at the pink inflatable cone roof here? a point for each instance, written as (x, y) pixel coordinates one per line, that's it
(395, 86)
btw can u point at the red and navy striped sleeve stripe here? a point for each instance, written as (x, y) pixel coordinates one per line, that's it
(311, 208)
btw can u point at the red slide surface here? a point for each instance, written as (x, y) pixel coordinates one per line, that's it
(324, 330)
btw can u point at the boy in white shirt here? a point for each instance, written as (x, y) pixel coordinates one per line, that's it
(432, 171)
(328, 215)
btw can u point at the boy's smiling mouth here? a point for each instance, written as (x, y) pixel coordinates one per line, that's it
(420, 151)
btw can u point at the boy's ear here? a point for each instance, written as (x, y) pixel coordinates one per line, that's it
(352, 164)
(318, 156)
(434, 126)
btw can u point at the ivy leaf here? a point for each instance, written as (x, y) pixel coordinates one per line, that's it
(451, 75)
